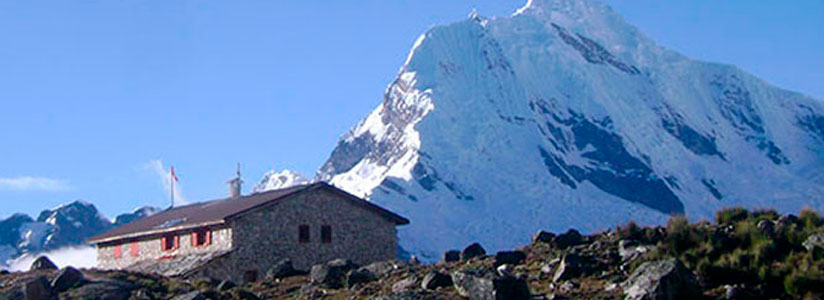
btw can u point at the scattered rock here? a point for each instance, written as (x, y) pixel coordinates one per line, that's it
(413, 260)
(815, 243)
(473, 250)
(434, 280)
(766, 227)
(244, 295)
(405, 284)
(282, 269)
(570, 267)
(190, 296)
(568, 239)
(663, 279)
(509, 258)
(451, 256)
(142, 295)
(357, 276)
(331, 274)
(733, 292)
(568, 286)
(38, 289)
(548, 266)
(408, 295)
(480, 285)
(43, 263)
(384, 268)
(225, 285)
(504, 270)
(102, 290)
(542, 237)
(630, 250)
(787, 220)
(66, 279)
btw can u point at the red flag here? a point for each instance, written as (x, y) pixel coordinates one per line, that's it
(173, 173)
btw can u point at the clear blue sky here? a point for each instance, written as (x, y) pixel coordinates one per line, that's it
(92, 92)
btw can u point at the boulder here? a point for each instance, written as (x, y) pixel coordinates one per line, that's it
(630, 249)
(451, 256)
(383, 268)
(482, 285)
(510, 258)
(43, 263)
(106, 290)
(568, 239)
(4, 272)
(571, 266)
(473, 250)
(434, 280)
(67, 278)
(787, 220)
(405, 284)
(662, 279)
(38, 289)
(815, 244)
(413, 260)
(282, 269)
(542, 237)
(225, 285)
(766, 227)
(190, 296)
(408, 295)
(331, 274)
(358, 276)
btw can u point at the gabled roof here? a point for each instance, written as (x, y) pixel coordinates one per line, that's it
(219, 211)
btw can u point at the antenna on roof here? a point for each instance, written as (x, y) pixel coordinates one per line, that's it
(234, 184)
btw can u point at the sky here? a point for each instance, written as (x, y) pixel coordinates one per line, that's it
(99, 98)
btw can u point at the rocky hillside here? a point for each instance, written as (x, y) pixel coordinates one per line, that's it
(741, 255)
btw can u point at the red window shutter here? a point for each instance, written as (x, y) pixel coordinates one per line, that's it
(208, 238)
(194, 238)
(163, 244)
(134, 248)
(118, 251)
(177, 242)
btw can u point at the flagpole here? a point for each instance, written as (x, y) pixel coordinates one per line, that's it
(172, 180)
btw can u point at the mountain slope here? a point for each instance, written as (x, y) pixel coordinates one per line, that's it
(565, 115)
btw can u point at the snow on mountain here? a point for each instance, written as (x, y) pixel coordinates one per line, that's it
(63, 229)
(273, 180)
(563, 115)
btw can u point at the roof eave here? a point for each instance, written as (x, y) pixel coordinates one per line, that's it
(95, 241)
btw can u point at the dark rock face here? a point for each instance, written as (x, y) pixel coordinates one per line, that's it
(568, 239)
(663, 279)
(509, 258)
(473, 250)
(66, 279)
(73, 224)
(38, 289)
(10, 229)
(281, 269)
(478, 284)
(696, 142)
(613, 168)
(451, 256)
(42, 263)
(542, 237)
(593, 52)
(434, 280)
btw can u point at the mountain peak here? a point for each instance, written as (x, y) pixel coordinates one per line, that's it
(274, 180)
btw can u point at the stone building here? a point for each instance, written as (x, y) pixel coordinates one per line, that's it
(241, 237)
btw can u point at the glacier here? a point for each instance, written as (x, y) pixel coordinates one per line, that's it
(562, 115)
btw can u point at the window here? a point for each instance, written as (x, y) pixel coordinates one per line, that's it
(170, 242)
(326, 234)
(134, 249)
(201, 237)
(118, 251)
(303, 233)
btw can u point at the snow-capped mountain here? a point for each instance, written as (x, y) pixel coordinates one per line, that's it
(69, 224)
(563, 115)
(274, 180)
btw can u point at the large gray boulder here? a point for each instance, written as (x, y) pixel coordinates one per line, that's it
(282, 269)
(42, 263)
(659, 280)
(331, 274)
(384, 268)
(434, 280)
(359, 276)
(406, 284)
(482, 285)
(38, 289)
(815, 243)
(67, 278)
(567, 239)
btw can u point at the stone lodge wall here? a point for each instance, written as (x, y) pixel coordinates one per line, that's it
(150, 248)
(265, 235)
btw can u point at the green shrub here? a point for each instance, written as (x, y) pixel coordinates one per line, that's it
(809, 218)
(680, 235)
(731, 215)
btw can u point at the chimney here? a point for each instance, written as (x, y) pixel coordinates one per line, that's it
(234, 184)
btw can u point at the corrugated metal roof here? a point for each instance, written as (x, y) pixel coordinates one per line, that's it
(218, 211)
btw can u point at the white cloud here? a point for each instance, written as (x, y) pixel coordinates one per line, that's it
(31, 183)
(156, 167)
(78, 257)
